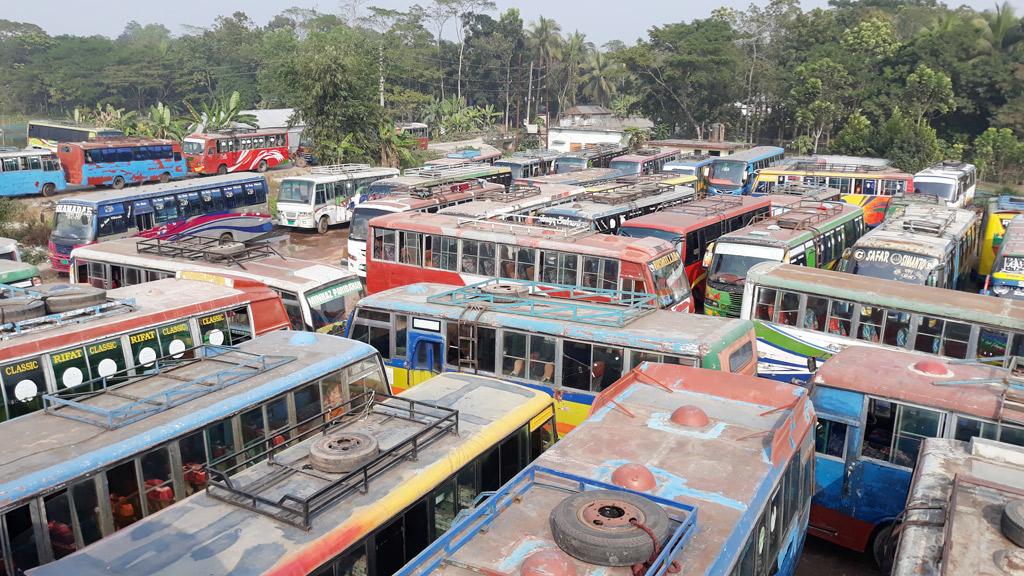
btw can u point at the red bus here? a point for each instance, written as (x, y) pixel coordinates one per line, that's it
(235, 152)
(118, 161)
(691, 227)
(411, 247)
(418, 131)
(644, 161)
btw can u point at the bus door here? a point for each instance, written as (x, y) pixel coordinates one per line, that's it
(425, 352)
(142, 215)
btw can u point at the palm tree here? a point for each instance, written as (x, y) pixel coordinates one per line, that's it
(998, 24)
(545, 39)
(575, 50)
(395, 149)
(599, 78)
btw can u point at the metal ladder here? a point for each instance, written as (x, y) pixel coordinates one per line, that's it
(468, 333)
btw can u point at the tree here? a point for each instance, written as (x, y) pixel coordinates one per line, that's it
(909, 144)
(599, 78)
(161, 122)
(817, 98)
(855, 136)
(545, 41)
(928, 92)
(999, 156)
(222, 113)
(396, 150)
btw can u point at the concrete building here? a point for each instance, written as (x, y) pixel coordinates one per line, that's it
(581, 126)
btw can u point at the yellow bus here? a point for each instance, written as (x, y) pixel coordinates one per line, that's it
(997, 215)
(46, 135)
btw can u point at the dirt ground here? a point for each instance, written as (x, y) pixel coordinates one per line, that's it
(822, 558)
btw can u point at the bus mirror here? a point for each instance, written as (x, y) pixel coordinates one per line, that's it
(709, 253)
(705, 170)
(812, 364)
(846, 253)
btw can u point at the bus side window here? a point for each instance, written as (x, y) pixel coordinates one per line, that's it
(110, 225)
(830, 438)
(22, 539)
(292, 308)
(694, 248)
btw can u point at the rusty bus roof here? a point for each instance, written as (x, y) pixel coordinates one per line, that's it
(596, 205)
(698, 212)
(811, 214)
(972, 308)
(957, 497)
(920, 229)
(659, 330)
(915, 377)
(46, 450)
(1013, 238)
(802, 166)
(404, 202)
(247, 543)
(725, 468)
(586, 175)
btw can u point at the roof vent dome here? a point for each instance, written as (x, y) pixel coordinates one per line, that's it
(932, 367)
(690, 416)
(634, 477)
(547, 563)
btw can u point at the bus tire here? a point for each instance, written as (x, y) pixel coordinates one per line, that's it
(165, 178)
(262, 166)
(882, 549)
(1011, 522)
(20, 308)
(117, 183)
(343, 452)
(65, 297)
(594, 526)
(222, 169)
(49, 188)
(322, 224)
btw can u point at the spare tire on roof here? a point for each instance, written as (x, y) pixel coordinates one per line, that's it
(344, 452)
(597, 527)
(20, 308)
(65, 297)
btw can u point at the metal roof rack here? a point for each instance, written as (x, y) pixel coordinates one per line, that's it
(514, 193)
(806, 213)
(708, 206)
(525, 225)
(811, 166)
(803, 189)
(208, 249)
(922, 226)
(535, 478)
(108, 405)
(536, 154)
(112, 307)
(462, 169)
(328, 489)
(552, 301)
(337, 169)
(623, 195)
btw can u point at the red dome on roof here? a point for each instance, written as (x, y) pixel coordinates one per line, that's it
(634, 476)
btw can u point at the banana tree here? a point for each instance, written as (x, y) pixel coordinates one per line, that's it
(222, 114)
(160, 122)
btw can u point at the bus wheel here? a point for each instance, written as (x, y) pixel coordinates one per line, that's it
(321, 225)
(48, 189)
(222, 169)
(883, 548)
(118, 183)
(262, 166)
(595, 527)
(165, 178)
(343, 452)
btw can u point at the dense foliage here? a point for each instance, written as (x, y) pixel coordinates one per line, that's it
(911, 80)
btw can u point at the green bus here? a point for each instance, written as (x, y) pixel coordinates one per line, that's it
(20, 274)
(811, 233)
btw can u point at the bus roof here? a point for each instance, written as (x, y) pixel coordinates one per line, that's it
(536, 236)
(690, 161)
(1007, 203)
(488, 410)
(46, 449)
(688, 335)
(155, 190)
(72, 124)
(594, 205)
(916, 377)
(645, 154)
(751, 154)
(920, 229)
(529, 157)
(119, 141)
(946, 169)
(890, 294)
(325, 174)
(834, 166)
(15, 271)
(801, 220)
(152, 303)
(724, 469)
(431, 197)
(685, 216)
(26, 152)
(580, 176)
(276, 271)
(1013, 238)
(235, 134)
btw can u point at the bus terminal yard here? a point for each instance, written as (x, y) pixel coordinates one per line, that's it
(611, 361)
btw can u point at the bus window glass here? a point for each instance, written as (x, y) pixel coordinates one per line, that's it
(542, 358)
(992, 343)
(789, 309)
(764, 308)
(1011, 435)
(897, 328)
(401, 335)
(915, 424)
(871, 318)
(352, 562)
(252, 428)
(411, 248)
(110, 225)
(517, 262)
(277, 420)
(954, 339)
(967, 428)
(166, 209)
(542, 438)
(193, 461)
(741, 356)
(307, 408)
(815, 313)
(441, 252)
(559, 267)
(59, 525)
(576, 364)
(123, 485)
(444, 506)
(878, 430)
(87, 510)
(385, 245)
(157, 480)
(369, 381)
(478, 257)
(929, 335)
(220, 439)
(830, 438)
(600, 273)
(606, 368)
(513, 362)
(22, 538)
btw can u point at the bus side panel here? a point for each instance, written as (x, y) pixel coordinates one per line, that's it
(874, 206)
(783, 352)
(389, 275)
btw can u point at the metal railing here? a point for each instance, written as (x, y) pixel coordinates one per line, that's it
(208, 249)
(109, 308)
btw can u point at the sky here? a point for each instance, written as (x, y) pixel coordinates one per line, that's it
(600, 20)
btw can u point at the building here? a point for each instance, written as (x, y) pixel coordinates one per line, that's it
(277, 119)
(581, 126)
(714, 145)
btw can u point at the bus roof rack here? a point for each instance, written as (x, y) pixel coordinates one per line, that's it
(336, 169)
(707, 206)
(325, 490)
(107, 405)
(526, 225)
(112, 307)
(623, 195)
(208, 249)
(516, 192)
(553, 301)
(461, 169)
(812, 166)
(930, 227)
(806, 213)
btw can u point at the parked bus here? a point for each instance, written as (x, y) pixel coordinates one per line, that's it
(227, 208)
(874, 409)
(810, 233)
(26, 172)
(427, 200)
(417, 247)
(116, 162)
(47, 135)
(488, 156)
(145, 441)
(953, 181)
(919, 244)
(691, 227)
(867, 185)
(418, 132)
(19, 274)
(716, 468)
(1007, 277)
(73, 334)
(585, 177)
(316, 296)
(326, 196)
(696, 165)
(735, 174)
(802, 313)
(595, 156)
(235, 152)
(645, 161)
(431, 176)
(998, 214)
(519, 200)
(551, 338)
(529, 163)
(958, 492)
(322, 508)
(605, 207)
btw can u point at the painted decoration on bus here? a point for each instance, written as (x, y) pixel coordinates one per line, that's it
(1013, 264)
(332, 295)
(175, 339)
(893, 265)
(214, 329)
(105, 358)
(144, 347)
(70, 368)
(24, 385)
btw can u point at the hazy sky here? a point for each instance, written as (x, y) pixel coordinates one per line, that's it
(600, 20)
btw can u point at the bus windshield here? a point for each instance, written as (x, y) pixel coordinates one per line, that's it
(670, 283)
(732, 261)
(625, 166)
(892, 265)
(192, 146)
(943, 190)
(727, 172)
(637, 232)
(329, 305)
(297, 191)
(383, 188)
(74, 227)
(360, 226)
(563, 165)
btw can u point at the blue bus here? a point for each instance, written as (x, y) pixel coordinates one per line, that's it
(228, 207)
(117, 162)
(25, 172)
(735, 174)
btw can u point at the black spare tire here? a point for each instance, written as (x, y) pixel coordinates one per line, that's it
(20, 308)
(596, 527)
(1012, 522)
(65, 297)
(344, 452)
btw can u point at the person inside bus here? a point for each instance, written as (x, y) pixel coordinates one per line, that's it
(814, 315)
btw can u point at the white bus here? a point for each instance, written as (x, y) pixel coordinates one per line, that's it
(327, 195)
(950, 180)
